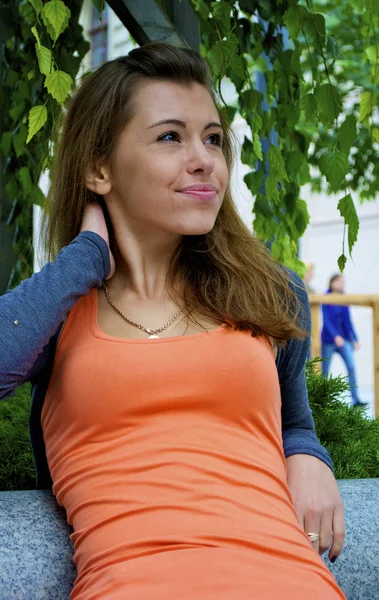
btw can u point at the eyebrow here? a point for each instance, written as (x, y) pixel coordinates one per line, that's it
(179, 123)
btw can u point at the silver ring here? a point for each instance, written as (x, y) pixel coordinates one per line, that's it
(313, 537)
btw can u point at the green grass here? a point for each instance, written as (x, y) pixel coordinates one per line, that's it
(16, 462)
(351, 437)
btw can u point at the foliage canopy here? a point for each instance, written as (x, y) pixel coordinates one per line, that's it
(306, 75)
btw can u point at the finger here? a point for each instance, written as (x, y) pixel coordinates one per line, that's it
(299, 513)
(312, 525)
(326, 531)
(338, 532)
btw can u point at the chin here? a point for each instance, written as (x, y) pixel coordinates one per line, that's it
(199, 226)
(200, 229)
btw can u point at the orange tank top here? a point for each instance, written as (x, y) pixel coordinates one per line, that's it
(167, 456)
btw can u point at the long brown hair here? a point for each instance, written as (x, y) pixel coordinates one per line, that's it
(227, 273)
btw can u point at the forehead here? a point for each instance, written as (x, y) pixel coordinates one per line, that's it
(158, 100)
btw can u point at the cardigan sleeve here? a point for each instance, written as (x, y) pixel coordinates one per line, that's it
(33, 312)
(298, 430)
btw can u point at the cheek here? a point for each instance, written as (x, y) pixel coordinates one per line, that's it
(163, 172)
(223, 174)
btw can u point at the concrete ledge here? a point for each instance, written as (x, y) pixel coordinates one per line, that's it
(36, 553)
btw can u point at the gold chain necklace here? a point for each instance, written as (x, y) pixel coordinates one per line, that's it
(152, 332)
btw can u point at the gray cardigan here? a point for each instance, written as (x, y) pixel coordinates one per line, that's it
(32, 315)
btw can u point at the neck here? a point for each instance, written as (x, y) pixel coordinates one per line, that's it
(142, 262)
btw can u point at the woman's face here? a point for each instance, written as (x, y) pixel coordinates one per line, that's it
(338, 285)
(168, 172)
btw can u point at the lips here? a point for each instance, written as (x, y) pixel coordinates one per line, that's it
(200, 191)
(199, 187)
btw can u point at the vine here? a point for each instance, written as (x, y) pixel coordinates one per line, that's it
(310, 83)
(41, 57)
(318, 107)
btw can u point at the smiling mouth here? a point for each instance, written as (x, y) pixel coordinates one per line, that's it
(209, 194)
(199, 187)
(201, 191)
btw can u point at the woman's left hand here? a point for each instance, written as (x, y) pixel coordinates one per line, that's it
(317, 501)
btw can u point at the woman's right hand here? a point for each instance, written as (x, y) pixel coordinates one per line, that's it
(94, 220)
(339, 341)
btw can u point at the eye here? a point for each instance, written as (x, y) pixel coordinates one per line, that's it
(170, 136)
(215, 139)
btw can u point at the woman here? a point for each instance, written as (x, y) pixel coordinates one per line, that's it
(157, 405)
(338, 335)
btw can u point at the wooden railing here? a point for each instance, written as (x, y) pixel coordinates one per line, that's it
(371, 301)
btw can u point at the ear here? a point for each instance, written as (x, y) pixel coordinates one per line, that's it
(98, 178)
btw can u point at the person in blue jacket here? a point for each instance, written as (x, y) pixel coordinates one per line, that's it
(338, 335)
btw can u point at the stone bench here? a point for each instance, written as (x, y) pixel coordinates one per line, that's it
(36, 554)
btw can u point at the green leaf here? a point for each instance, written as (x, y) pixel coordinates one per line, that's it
(6, 143)
(342, 260)
(294, 162)
(251, 100)
(44, 59)
(348, 212)
(237, 65)
(371, 6)
(277, 163)
(221, 12)
(254, 181)
(309, 105)
(19, 140)
(347, 134)
(254, 121)
(335, 166)
(375, 134)
(272, 188)
(288, 116)
(264, 225)
(27, 13)
(292, 22)
(329, 103)
(313, 26)
(55, 15)
(11, 78)
(302, 218)
(37, 119)
(25, 179)
(216, 59)
(262, 206)
(228, 113)
(367, 104)
(59, 85)
(257, 146)
(35, 33)
(248, 157)
(12, 189)
(372, 53)
(332, 47)
(201, 8)
(37, 196)
(17, 111)
(37, 5)
(31, 74)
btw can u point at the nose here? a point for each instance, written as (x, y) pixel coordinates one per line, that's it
(199, 158)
